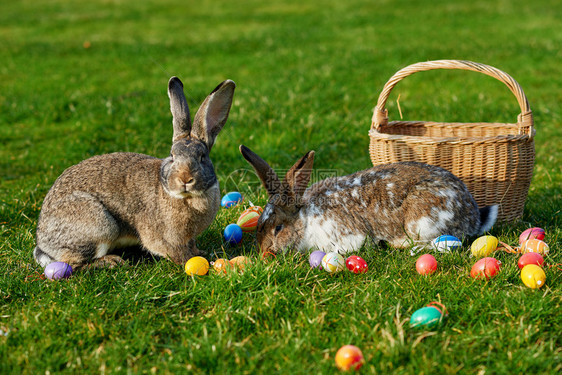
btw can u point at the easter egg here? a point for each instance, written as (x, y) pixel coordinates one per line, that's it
(197, 266)
(58, 270)
(231, 199)
(533, 276)
(534, 246)
(240, 262)
(221, 265)
(531, 234)
(530, 258)
(356, 264)
(333, 262)
(248, 220)
(426, 264)
(485, 267)
(349, 357)
(446, 243)
(233, 234)
(426, 317)
(315, 259)
(484, 246)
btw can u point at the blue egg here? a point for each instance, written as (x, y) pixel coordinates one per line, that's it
(446, 243)
(231, 199)
(233, 234)
(426, 317)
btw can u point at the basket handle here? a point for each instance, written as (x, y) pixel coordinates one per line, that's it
(525, 118)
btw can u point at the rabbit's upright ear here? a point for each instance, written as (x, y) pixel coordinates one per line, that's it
(265, 173)
(213, 113)
(298, 177)
(179, 109)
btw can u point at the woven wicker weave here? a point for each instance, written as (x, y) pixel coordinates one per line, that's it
(494, 160)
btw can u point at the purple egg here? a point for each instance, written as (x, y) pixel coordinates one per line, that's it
(58, 270)
(315, 259)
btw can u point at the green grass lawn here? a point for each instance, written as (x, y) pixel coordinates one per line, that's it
(79, 79)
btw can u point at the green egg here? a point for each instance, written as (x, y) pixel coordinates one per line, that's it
(426, 317)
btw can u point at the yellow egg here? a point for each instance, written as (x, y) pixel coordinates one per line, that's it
(534, 246)
(533, 276)
(484, 246)
(197, 266)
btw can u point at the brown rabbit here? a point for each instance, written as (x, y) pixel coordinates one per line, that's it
(401, 203)
(124, 199)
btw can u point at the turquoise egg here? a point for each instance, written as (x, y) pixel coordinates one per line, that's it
(231, 199)
(426, 317)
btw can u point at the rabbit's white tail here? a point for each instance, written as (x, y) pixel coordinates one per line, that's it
(42, 258)
(488, 216)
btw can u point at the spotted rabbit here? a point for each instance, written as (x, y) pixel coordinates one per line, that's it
(400, 203)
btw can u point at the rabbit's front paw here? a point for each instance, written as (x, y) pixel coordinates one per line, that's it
(108, 261)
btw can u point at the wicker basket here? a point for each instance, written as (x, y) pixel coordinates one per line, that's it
(494, 160)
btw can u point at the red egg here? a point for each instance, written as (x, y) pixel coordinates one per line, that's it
(426, 264)
(485, 268)
(532, 234)
(356, 264)
(530, 258)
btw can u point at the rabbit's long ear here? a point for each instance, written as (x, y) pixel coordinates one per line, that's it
(212, 115)
(298, 177)
(265, 173)
(179, 109)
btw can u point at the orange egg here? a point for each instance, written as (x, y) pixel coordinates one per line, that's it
(221, 265)
(349, 357)
(534, 246)
(240, 262)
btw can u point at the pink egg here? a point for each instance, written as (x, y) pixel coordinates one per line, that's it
(531, 234)
(485, 268)
(426, 264)
(530, 258)
(356, 264)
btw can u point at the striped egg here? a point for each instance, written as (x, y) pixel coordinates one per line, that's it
(534, 246)
(484, 246)
(248, 220)
(333, 262)
(446, 243)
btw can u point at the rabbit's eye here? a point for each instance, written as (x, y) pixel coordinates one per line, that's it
(278, 229)
(201, 158)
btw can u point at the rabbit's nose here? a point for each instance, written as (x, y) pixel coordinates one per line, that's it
(190, 182)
